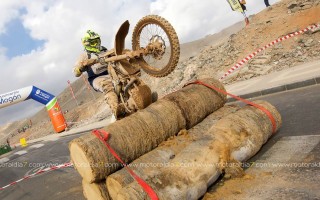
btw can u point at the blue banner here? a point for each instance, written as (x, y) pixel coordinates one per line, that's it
(23, 94)
(40, 95)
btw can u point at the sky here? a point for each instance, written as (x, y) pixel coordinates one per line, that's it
(40, 40)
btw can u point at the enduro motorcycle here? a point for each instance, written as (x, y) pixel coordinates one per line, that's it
(155, 50)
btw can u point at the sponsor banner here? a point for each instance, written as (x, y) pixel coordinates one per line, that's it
(235, 5)
(56, 116)
(23, 94)
(51, 104)
(15, 96)
(40, 95)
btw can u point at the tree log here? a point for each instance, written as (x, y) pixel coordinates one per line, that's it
(95, 191)
(152, 162)
(233, 139)
(143, 131)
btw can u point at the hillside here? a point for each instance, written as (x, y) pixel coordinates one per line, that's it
(210, 56)
(268, 25)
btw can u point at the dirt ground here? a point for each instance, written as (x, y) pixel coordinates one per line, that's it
(269, 25)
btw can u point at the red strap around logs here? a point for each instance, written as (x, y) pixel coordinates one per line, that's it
(103, 136)
(267, 112)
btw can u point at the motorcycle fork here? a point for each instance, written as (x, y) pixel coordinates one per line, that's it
(115, 79)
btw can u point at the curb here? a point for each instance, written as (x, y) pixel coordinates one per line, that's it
(286, 87)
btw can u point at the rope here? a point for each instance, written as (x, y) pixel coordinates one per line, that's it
(37, 173)
(252, 55)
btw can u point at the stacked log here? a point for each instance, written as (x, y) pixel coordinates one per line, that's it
(143, 131)
(151, 163)
(233, 139)
(179, 145)
(95, 191)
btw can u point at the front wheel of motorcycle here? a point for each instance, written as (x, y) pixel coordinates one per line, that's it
(155, 31)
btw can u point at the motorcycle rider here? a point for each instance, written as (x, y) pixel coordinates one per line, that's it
(98, 76)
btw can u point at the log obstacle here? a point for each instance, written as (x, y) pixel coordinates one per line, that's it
(95, 191)
(151, 163)
(143, 131)
(233, 139)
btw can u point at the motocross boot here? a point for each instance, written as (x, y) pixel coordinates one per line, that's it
(117, 108)
(112, 99)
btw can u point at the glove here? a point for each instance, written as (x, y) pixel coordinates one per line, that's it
(77, 72)
(88, 62)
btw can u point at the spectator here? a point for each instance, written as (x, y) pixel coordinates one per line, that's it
(8, 142)
(267, 3)
(242, 3)
(244, 8)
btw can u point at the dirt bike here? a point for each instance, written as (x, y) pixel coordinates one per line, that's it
(155, 50)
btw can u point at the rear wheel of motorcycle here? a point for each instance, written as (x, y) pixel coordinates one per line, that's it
(155, 26)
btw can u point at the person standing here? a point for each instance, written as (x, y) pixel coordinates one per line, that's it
(243, 6)
(8, 142)
(267, 3)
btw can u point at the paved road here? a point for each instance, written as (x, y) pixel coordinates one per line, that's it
(59, 184)
(288, 165)
(299, 109)
(280, 80)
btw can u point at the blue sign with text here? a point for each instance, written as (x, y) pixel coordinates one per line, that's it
(40, 95)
